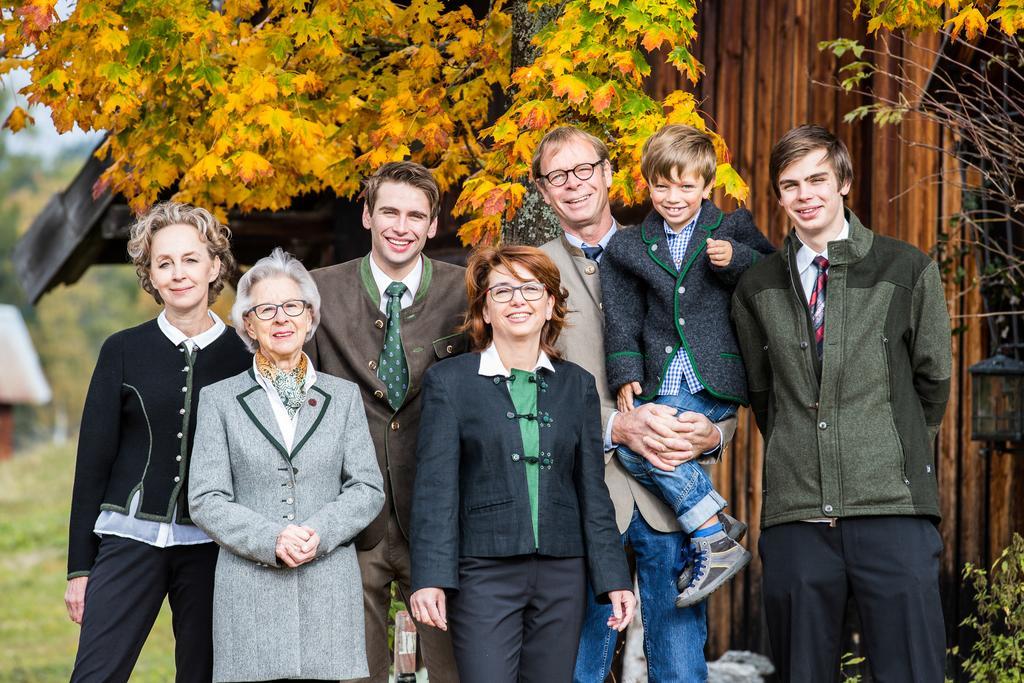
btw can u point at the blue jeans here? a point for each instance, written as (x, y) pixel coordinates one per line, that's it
(673, 638)
(687, 489)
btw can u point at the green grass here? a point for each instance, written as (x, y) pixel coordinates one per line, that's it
(37, 640)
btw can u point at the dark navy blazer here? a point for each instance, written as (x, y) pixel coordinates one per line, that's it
(471, 498)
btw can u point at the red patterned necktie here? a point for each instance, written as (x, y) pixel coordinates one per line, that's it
(817, 303)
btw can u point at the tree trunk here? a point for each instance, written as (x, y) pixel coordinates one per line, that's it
(534, 223)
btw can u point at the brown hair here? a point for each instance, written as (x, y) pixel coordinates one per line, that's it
(801, 141)
(679, 149)
(407, 173)
(556, 138)
(212, 232)
(485, 260)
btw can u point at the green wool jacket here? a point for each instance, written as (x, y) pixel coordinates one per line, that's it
(851, 434)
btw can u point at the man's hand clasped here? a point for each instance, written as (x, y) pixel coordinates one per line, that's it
(664, 439)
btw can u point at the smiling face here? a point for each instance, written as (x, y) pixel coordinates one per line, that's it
(678, 199)
(181, 269)
(399, 226)
(581, 205)
(517, 320)
(280, 338)
(813, 198)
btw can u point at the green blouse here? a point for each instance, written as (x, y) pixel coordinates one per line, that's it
(524, 398)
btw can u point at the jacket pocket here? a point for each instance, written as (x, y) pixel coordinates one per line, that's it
(452, 345)
(892, 422)
(484, 508)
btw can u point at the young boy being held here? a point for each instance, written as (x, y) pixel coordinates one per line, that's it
(668, 334)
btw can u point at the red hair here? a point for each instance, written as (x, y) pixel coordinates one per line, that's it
(483, 262)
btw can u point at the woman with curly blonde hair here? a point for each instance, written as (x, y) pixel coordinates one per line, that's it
(132, 542)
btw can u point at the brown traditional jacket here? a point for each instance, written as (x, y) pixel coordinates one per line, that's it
(348, 343)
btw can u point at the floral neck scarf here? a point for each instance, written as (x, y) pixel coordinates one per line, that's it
(288, 383)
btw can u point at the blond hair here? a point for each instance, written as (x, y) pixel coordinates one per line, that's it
(678, 149)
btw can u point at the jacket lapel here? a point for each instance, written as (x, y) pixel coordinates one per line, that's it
(311, 413)
(580, 263)
(652, 232)
(256, 406)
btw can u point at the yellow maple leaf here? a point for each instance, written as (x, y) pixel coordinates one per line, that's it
(207, 167)
(275, 120)
(249, 166)
(570, 87)
(111, 40)
(970, 20)
(602, 98)
(18, 119)
(727, 177)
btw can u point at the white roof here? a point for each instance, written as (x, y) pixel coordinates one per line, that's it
(22, 379)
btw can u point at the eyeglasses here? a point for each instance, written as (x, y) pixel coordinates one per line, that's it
(531, 291)
(293, 308)
(581, 171)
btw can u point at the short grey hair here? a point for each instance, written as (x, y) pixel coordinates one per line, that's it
(278, 264)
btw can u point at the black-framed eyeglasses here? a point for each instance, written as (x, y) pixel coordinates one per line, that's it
(581, 171)
(531, 291)
(292, 308)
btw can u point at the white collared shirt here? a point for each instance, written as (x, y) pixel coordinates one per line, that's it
(160, 534)
(411, 282)
(805, 259)
(603, 243)
(285, 422)
(491, 365)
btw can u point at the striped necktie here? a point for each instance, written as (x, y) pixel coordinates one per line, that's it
(817, 303)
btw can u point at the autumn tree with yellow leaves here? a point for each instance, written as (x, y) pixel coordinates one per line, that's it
(245, 104)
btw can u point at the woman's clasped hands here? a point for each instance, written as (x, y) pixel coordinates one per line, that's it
(297, 545)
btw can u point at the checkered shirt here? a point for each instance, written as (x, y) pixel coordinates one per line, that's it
(680, 370)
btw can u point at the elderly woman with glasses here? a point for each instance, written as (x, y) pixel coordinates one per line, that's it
(510, 512)
(283, 477)
(131, 541)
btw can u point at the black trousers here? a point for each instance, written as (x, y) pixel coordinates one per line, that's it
(126, 588)
(891, 567)
(518, 619)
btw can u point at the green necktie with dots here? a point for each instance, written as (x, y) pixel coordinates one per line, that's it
(392, 368)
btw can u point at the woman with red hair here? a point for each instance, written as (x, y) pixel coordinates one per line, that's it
(510, 511)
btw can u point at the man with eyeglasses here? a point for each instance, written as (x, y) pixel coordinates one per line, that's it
(385, 319)
(573, 174)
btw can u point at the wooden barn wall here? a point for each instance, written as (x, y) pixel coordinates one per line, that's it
(761, 58)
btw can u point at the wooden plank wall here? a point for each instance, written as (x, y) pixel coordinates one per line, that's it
(761, 57)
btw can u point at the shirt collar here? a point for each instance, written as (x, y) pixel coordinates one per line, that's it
(579, 244)
(202, 340)
(491, 365)
(805, 255)
(411, 281)
(672, 233)
(265, 383)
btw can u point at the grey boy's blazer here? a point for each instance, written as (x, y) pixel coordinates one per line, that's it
(582, 342)
(271, 621)
(654, 310)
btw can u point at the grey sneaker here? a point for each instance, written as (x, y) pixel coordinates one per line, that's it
(734, 529)
(717, 559)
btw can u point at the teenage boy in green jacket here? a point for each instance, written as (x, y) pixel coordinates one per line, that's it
(846, 340)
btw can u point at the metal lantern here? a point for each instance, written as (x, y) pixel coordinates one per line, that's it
(997, 390)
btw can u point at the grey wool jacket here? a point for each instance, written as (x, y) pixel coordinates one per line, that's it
(269, 620)
(654, 310)
(851, 434)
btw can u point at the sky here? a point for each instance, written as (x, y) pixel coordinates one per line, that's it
(42, 138)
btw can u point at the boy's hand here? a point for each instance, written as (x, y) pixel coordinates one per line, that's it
(626, 394)
(720, 252)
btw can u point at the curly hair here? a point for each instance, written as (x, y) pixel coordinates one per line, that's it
(212, 232)
(485, 260)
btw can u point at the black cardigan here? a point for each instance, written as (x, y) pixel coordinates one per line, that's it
(471, 498)
(137, 429)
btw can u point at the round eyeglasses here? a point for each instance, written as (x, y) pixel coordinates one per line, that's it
(293, 308)
(581, 171)
(531, 291)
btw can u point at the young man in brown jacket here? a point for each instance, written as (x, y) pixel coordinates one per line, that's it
(385, 319)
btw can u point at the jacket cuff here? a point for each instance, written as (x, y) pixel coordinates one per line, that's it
(624, 367)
